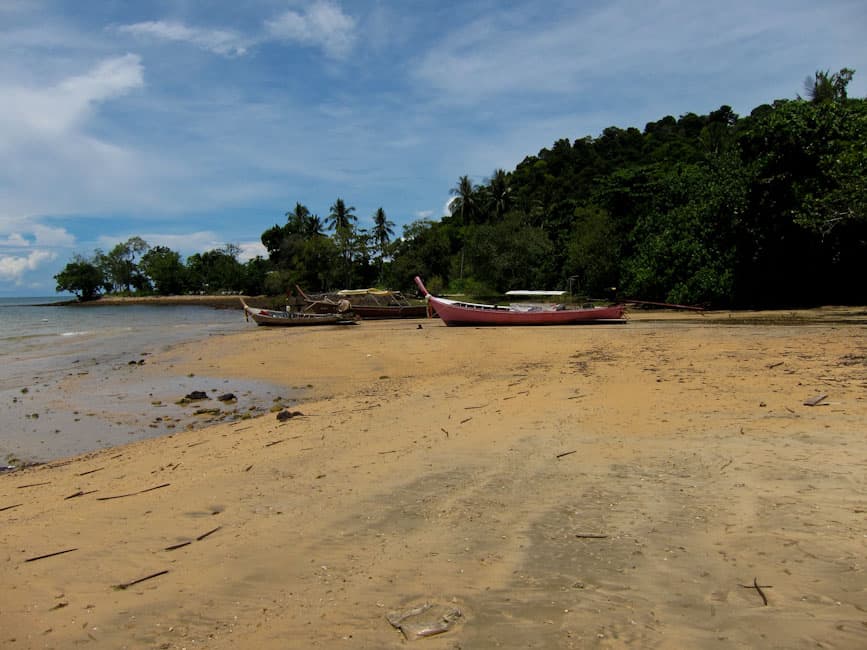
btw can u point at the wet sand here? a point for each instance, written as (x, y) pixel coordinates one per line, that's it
(621, 486)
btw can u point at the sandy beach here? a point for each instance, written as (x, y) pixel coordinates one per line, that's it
(659, 484)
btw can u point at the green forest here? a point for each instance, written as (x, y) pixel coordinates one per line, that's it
(722, 210)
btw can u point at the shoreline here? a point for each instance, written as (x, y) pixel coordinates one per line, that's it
(563, 487)
(217, 302)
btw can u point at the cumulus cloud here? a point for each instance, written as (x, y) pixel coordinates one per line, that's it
(13, 267)
(218, 41)
(323, 24)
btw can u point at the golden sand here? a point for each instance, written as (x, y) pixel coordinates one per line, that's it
(568, 487)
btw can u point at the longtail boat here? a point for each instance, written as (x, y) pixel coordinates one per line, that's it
(365, 303)
(454, 312)
(276, 318)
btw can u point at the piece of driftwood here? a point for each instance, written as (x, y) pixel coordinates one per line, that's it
(465, 420)
(445, 432)
(30, 485)
(127, 585)
(567, 453)
(815, 401)
(590, 536)
(275, 442)
(210, 532)
(758, 589)
(774, 365)
(91, 471)
(132, 494)
(42, 557)
(15, 505)
(80, 493)
(174, 547)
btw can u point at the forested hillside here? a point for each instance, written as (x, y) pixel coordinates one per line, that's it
(764, 210)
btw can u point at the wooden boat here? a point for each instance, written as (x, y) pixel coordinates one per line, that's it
(292, 318)
(453, 312)
(365, 303)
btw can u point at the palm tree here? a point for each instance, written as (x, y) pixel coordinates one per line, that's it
(499, 192)
(464, 203)
(341, 220)
(341, 217)
(383, 229)
(825, 87)
(302, 222)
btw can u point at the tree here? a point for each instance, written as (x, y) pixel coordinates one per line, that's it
(383, 229)
(82, 277)
(464, 204)
(498, 191)
(302, 222)
(341, 220)
(165, 269)
(827, 87)
(119, 265)
(217, 270)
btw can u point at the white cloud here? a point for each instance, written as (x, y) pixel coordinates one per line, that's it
(251, 249)
(58, 109)
(323, 24)
(219, 41)
(14, 267)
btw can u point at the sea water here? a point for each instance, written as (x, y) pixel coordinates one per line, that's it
(96, 349)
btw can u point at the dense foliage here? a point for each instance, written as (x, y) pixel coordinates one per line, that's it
(764, 210)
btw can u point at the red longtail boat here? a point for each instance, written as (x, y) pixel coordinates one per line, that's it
(454, 312)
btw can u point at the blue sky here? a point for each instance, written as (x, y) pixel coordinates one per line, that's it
(199, 123)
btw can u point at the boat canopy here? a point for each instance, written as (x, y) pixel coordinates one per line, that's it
(520, 292)
(364, 292)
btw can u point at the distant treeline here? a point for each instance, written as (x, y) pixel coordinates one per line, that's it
(729, 211)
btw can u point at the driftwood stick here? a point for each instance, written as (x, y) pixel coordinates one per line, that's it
(480, 406)
(758, 589)
(275, 442)
(567, 453)
(42, 557)
(774, 365)
(80, 493)
(590, 536)
(29, 485)
(131, 494)
(91, 471)
(10, 507)
(445, 432)
(465, 420)
(177, 546)
(210, 532)
(126, 585)
(151, 489)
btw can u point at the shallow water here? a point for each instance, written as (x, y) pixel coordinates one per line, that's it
(74, 379)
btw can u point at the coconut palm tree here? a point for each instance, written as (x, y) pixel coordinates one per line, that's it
(303, 222)
(383, 229)
(499, 193)
(464, 203)
(342, 220)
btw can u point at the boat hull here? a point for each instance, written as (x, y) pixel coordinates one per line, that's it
(272, 318)
(456, 313)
